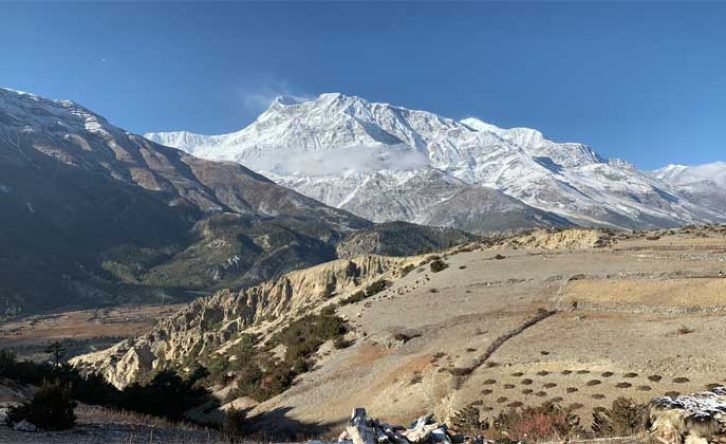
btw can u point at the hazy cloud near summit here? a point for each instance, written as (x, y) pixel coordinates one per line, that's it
(352, 159)
(258, 97)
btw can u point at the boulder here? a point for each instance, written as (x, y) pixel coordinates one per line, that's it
(691, 419)
(25, 426)
(363, 430)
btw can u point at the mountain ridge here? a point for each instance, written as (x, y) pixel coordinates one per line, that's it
(333, 146)
(98, 215)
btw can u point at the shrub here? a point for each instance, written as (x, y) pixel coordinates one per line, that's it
(51, 407)
(461, 371)
(655, 378)
(548, 421)
(405, 337)
(438, 265)
(467, 421)
(352, 299)
(341, 343)
(607, 374)
(592, 382)
(630, 375)
(499, 257)
(681, 380)
(93, 389)
(377, 287)
(167, 394)
(623, 385)
(233, 423)
(407, 269)
(685, 330)
(625, 417)
(260, 375)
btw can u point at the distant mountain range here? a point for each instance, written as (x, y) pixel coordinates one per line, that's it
(705, 184)
(94, 215)
(384, 163)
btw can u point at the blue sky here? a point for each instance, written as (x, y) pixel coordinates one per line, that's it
(645, 82)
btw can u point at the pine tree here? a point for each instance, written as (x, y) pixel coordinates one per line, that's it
(57, 351)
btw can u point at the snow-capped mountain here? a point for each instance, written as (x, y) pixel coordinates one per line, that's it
(385, 162)
(705, 184)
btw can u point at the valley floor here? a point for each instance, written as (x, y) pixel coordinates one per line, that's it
(102, 426)
(80, 331)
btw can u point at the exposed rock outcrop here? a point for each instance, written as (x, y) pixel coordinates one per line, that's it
(694, 419)
(575, 239)
(211, 323)
(363, 430)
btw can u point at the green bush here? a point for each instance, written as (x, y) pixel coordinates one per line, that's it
(51, 407)
(167, 394)
(624, 417)
(371, 290)
(407, 269)
(377, 287)
(438, 265)
(233, 425)
(467, 421)
(261, 376)
(355, 297)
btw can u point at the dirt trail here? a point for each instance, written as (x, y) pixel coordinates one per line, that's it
(501, 340)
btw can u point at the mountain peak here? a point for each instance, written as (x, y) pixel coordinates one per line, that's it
(344, 150)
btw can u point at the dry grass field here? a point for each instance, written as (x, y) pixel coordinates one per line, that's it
(637, 318)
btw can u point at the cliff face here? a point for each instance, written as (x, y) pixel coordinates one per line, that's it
(208, 324)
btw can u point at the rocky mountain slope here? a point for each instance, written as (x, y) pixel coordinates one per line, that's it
(209, 324)
(94, 215)
(384, 163)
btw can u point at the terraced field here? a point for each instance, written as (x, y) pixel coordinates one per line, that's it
(516, 325)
